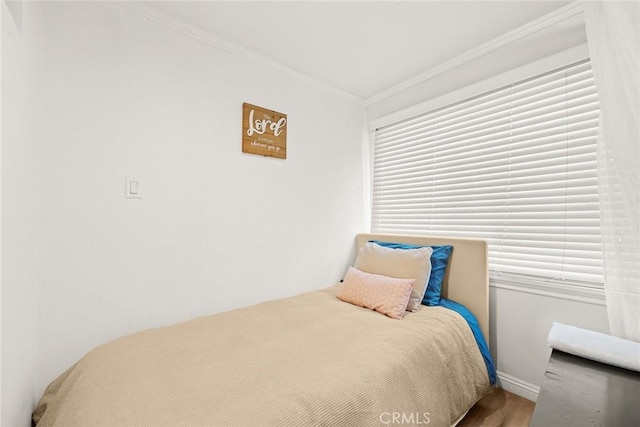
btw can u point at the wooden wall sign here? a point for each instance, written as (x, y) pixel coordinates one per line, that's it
(264, 132)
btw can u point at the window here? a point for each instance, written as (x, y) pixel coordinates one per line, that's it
(515, 166)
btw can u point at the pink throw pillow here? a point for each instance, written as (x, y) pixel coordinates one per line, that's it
(383, 294)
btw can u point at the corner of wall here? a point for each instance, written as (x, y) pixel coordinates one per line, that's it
(14, 7)
(518, 386)
(2, 12)
(18, 220)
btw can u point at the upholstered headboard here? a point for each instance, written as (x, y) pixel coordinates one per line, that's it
(467, 278)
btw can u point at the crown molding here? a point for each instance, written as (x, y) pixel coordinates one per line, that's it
(156, 16)
(572, 9)
(151, 14)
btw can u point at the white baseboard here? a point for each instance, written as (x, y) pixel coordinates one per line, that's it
(518, 387)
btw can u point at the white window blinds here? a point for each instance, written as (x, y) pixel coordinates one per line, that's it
(515, 166)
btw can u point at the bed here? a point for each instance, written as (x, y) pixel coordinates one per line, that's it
(307, 360)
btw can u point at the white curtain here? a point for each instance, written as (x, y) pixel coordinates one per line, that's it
(613, 37)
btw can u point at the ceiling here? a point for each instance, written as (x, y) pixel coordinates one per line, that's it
(360, 47)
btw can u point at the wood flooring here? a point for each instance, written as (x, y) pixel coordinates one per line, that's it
(499, 409)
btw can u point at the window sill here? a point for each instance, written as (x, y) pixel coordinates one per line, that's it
(549, 288)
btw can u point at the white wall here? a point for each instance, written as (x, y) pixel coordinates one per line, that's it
(2, 13)
(19, 213)
(520, 323)
(101, 94)
(216, 229)
(520, 320)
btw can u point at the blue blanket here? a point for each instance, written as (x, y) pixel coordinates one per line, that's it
(477, 333)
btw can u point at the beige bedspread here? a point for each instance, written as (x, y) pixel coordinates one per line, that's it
(308, 360)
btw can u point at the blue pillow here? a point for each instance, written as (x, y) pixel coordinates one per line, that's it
(439, 262)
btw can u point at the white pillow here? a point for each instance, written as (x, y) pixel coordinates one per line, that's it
(399, 263)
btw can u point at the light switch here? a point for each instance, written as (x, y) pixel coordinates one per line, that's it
(132, 188)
